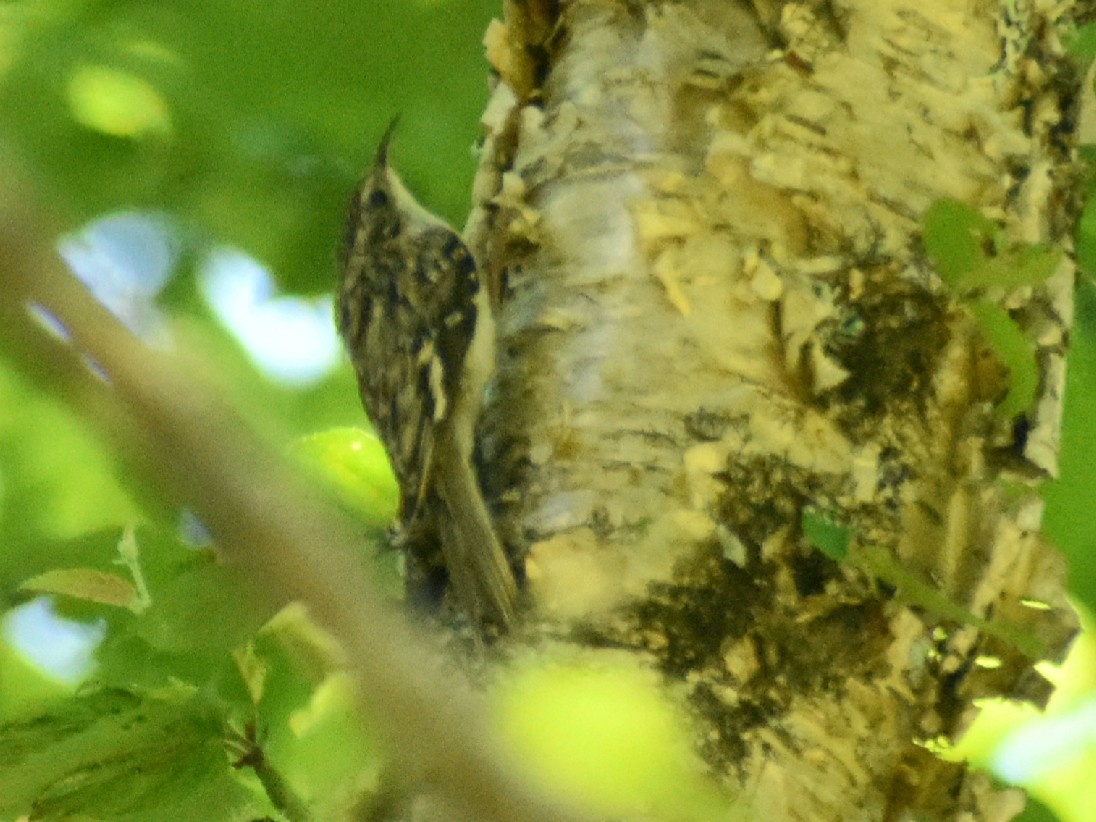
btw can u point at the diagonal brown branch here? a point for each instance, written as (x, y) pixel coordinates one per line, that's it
(157, 410)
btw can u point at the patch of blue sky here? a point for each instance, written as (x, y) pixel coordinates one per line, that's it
(291, 339)
(61, 647)
(125, 259)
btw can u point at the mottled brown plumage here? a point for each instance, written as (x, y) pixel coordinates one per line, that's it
(417, 324)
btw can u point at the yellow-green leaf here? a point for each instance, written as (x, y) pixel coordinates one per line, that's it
(117, 103)
(353, 464)
(86, 584)
(608, 739)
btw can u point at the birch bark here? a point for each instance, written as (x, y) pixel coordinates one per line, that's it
(702, 220)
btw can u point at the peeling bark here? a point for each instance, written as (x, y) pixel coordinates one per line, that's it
(702, 220)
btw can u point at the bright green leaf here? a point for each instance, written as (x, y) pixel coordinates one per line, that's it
(183, 612)
(129, 556)
(354, 465)
(253, 670)
(829, 537)
(957, 238)
(969, 251)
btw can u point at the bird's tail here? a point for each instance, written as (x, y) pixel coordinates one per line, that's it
(481, 577)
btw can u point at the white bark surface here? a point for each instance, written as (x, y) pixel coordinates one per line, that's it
(703, 223)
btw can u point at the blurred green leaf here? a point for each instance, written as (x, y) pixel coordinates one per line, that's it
(87, 584)
(116, 103)
(198, 614)
(321, 750)
(26, 690)
(308, 713)
(1086, 237)
(1016, 351)
(56, 480)
(257, 120)
(608, 739)
(1082, 42)
(116, 755)
(1036, 811)
(197, 611)
(1069, 521)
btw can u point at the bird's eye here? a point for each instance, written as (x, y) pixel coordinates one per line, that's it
(377, 198)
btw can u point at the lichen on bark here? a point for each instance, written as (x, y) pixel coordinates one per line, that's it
(703, 225)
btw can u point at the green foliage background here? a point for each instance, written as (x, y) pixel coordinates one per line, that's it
(249, 125)
(259, 124)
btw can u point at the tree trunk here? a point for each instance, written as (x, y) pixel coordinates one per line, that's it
(718, 324)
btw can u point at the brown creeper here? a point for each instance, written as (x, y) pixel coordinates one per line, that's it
(418, 326)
